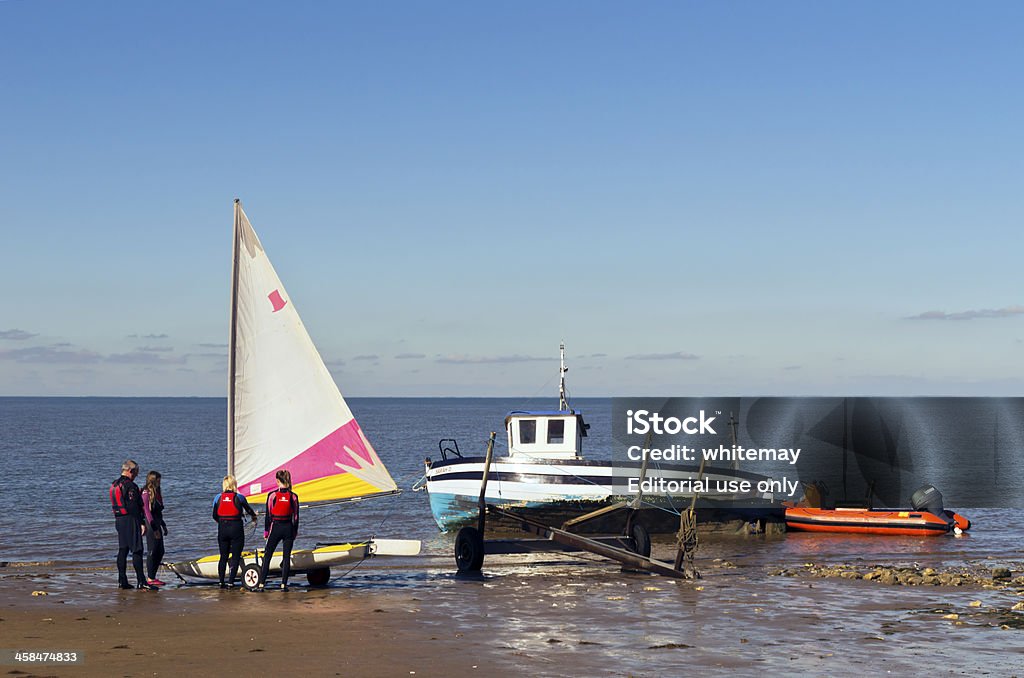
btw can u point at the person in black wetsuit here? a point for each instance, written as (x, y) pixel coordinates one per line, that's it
(126, 501)
(228, 507)
(156, 528)
(281, 525)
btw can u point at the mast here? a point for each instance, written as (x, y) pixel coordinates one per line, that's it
(563, 403)
(231, 338)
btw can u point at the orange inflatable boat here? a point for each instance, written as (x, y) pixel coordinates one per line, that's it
(874, 521)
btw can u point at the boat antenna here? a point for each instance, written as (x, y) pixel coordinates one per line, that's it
(563, 403)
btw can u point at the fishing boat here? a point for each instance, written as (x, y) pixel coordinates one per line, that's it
(545, 476)
(927, 518)
(286, 412)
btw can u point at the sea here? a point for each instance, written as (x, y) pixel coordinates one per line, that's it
(60, 456)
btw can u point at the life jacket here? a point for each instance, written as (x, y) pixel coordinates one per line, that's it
(121, 495)
(282, 505)
(227, 507)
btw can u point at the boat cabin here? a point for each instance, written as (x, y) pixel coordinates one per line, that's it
(554, 434)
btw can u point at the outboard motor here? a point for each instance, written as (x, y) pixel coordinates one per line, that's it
(929, 499)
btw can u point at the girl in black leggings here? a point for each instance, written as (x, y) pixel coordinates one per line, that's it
(228, 509)
(153, 509)
(281, 525)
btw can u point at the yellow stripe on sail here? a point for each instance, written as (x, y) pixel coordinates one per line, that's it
(341, 486)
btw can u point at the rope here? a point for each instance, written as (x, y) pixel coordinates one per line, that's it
(387, 516)
(349, 570)
(686, 540)
(536, 393)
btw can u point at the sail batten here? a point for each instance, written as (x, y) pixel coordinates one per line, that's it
(286, 410)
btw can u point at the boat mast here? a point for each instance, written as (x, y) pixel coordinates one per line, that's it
(563, 403)
(231, 340)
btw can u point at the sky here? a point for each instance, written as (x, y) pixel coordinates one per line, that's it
(698, 198)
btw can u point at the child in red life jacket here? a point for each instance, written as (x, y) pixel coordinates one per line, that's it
(281, 525)
(228, 507)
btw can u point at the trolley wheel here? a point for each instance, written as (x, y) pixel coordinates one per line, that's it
(252, 576)
(642, 540)
(318, 577)
(469, 550)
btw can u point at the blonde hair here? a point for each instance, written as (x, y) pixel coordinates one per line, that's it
(284, 476)
(229, 484)
(152, 486)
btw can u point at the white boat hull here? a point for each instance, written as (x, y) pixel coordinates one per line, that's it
(555, 490)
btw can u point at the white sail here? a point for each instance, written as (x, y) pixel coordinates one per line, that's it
(285, 409)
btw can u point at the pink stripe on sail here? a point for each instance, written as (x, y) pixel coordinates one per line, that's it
(276, 301)
(319, 460)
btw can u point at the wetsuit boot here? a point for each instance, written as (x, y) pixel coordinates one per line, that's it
(122, 569)
(140, 575)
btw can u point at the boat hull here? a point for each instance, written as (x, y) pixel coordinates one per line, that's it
(870, 521)
(303, 560)
(553, 491)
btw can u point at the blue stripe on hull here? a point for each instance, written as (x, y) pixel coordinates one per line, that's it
(452, 511)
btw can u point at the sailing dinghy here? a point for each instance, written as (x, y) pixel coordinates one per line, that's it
(286, 412)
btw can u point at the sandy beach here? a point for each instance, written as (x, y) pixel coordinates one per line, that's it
(171, 632)
(555, 617)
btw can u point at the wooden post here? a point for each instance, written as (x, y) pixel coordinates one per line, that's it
(637, 503)
(482, 504)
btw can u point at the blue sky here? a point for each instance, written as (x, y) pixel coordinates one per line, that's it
(744, 198)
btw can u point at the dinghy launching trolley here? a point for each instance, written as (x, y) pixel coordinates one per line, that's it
(252, 573)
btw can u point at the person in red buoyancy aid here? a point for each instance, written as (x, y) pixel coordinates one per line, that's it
(228, 507)
(126, 502)
(281, 525)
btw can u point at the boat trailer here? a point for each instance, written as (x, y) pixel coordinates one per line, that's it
(632, 548)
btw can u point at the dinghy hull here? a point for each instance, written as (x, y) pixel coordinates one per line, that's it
(874, 521)
(304, 560)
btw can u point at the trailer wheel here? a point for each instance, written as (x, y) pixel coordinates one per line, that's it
(642, 539)
(469, 550)
(252, 576)
(318, 577)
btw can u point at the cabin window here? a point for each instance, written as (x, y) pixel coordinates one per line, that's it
(528, 431)
(556, 431)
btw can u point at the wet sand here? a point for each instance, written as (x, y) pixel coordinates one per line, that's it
(174, 632)
(551, 616)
